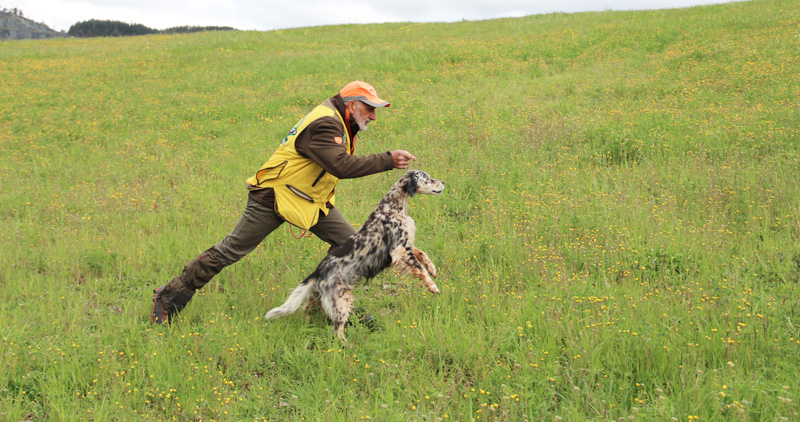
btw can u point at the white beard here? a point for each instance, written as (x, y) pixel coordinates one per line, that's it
(360, 121)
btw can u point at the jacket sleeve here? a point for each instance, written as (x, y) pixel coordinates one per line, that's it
(319, 144)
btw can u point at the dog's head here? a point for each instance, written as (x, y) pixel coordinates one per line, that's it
(417, 181)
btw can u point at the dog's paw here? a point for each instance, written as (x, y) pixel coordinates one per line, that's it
(433, 289)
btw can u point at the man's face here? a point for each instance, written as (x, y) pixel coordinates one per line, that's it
(363, 114)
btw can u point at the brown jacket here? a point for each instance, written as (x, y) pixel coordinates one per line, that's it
(317, 143)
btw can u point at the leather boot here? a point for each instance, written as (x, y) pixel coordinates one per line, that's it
(171, 298)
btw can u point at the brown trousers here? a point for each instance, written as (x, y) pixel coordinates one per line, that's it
(256, 223)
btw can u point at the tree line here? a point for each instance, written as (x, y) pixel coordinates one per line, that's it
(107, 28)
(13, 11)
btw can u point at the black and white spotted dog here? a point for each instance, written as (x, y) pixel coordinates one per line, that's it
(387, 238)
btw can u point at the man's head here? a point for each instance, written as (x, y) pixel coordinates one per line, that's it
(361, 100)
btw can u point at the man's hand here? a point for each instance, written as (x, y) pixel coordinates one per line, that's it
(401, 158)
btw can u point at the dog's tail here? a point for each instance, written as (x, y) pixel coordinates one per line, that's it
(296, 299)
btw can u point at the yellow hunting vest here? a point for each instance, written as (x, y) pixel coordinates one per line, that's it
(302, 188)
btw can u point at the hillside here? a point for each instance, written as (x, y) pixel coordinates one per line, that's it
(15, 27)
(618, 238)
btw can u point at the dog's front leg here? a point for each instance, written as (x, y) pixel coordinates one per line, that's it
(426, 262)
(405, 261)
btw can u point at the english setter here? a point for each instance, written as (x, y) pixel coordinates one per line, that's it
(387, 238)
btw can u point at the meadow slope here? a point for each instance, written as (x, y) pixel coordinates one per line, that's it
(618, 237)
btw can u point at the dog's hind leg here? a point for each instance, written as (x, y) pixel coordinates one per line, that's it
(338, 304)
(406, 262)
(426, 262)
(313, 302)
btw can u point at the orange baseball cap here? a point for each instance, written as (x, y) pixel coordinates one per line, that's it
(362, 91)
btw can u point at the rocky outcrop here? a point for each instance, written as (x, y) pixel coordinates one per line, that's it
(16, 27)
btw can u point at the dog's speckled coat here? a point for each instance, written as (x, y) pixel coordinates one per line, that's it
(387, 238)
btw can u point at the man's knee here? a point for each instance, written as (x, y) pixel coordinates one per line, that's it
(342, 237)
(333, 228)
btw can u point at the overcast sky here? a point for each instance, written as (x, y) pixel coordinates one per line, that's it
(278, 14)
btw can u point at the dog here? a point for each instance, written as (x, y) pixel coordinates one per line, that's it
(386, 239)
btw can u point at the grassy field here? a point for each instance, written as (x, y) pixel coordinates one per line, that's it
(618, 238)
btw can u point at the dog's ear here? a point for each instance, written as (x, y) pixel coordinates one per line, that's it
(411, 184)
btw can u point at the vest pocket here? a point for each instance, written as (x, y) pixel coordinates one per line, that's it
(322, 173)
(269, 173)
(296, 207)
(300, 193)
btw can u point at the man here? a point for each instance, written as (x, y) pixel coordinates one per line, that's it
(295, 185)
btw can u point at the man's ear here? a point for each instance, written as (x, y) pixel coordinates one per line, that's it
(411, 184)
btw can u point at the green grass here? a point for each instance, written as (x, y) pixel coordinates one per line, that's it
(618, 238)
